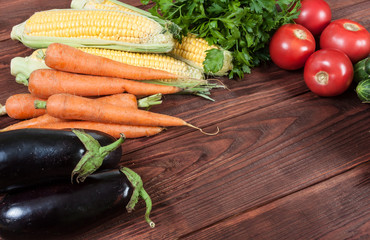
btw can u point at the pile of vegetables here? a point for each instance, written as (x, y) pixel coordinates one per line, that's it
(50, 185)
(69, 88)
(51, 182)
(343, 47)
(64, 72)
(63, 90)
(242, 27)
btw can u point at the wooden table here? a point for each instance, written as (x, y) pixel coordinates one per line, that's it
(286, 164)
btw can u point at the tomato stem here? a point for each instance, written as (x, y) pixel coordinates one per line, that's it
(300, 34)
(351, 27)
(322, 78)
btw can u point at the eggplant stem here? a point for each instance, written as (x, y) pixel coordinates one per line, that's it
(94, 156)
(148, 202)
(139, 191)
(104, 151)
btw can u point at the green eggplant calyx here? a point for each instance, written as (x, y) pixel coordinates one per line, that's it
(139, 192)
(94, 156)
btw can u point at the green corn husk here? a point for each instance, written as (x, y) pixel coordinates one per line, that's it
(198, 87)
(161, 43)
(22, 67)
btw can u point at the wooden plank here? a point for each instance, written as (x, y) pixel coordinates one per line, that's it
(347, 216)
(282, 149)
(267, 85)
(276, 140)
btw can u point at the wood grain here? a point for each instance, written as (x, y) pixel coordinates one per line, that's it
(348, 195)
(286, 164)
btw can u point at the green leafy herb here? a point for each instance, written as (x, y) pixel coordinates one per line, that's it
(214, 61)
(242, 27)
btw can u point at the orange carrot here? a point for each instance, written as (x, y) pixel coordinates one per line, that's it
(21, 106)
(46, 82)
(70, 59)
(71, 107)
(30, 123)
(109, 128)
(122, 100)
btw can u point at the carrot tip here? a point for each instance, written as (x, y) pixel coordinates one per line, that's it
(201, 130)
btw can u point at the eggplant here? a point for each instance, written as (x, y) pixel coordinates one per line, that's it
(59, 209)
(30, 156)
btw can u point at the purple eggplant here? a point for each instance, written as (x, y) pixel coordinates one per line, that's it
(61, 208)
(30, 156)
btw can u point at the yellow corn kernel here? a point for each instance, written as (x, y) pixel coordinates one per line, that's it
(109, 25)
(150, 60)
(106, 5)
(193, 49)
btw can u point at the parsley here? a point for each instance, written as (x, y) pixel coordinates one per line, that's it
(242, 27)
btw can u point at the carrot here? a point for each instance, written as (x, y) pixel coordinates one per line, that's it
(21, 106)
(71, 107)
(123, 99)
(66, 58)
(130, 100)
(112, 129)
(30, 123)
(45, 82)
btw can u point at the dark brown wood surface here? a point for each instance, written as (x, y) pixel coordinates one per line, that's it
(286, 164)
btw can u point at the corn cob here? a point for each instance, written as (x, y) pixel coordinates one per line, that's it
(107, 5)
(151, 60)
(94, 28)
(120, 6)
(191, 50)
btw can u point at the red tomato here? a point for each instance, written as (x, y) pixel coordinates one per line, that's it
(348, 36)
(291, 45)
(315, 15)
(328, 72)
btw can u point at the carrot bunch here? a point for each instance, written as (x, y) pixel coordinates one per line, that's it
(22, 106)
(60, 97)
